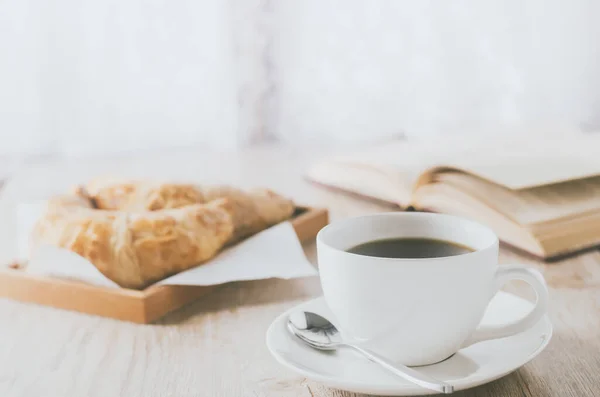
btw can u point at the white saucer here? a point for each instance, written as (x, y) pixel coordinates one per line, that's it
(473, 366)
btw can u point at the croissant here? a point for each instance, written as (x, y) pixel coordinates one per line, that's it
(137, 233)
(252, 211)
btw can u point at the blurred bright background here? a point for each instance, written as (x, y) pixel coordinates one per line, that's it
(96, 77)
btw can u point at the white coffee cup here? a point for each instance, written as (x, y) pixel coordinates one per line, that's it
(418, 311)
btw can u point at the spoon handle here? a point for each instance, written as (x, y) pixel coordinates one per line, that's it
(407, 373)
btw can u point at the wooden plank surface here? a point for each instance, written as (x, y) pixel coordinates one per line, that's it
(215, 347)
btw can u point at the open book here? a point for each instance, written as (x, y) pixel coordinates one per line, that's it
(542, 197)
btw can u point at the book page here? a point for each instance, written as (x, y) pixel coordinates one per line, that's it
(407, 159)
(535, 205)
(523, 165)
(392, 170)
(515, 163)
(364, 180)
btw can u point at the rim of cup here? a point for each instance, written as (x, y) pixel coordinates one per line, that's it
(484, 230)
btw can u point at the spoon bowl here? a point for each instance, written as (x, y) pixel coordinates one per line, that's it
(314, 330)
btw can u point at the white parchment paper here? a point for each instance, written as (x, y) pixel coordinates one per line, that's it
(272, 253)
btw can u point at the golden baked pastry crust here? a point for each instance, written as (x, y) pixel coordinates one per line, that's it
(252, 211)
(142, 232)
(136, 249)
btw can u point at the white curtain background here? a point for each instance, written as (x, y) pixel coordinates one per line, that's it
(87, 76)
(111, 75)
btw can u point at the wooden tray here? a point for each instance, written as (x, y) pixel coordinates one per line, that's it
(136, 306)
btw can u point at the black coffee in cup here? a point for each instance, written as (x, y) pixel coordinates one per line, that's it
(409, 248)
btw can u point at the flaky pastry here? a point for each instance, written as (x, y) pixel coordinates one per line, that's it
(137, 233)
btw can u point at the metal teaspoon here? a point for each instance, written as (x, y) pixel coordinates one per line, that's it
(320, 333)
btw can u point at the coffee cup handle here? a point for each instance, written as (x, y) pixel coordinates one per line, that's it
(507, 273)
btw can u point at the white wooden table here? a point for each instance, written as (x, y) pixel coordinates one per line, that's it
(216, 347)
